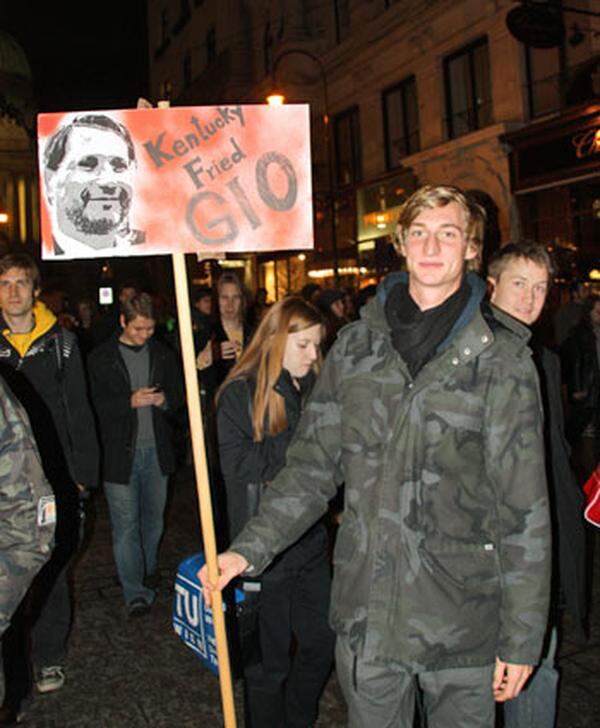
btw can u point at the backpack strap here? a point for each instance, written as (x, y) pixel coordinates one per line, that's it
(64, 342)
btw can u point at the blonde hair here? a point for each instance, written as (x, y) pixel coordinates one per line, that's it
(263, 360)
(429, 197)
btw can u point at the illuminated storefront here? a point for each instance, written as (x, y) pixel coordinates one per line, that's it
(555, 176)
(378, 207)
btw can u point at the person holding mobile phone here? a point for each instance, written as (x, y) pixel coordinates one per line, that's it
(137, 393)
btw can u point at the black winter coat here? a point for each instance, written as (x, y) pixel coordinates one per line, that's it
(245, 462)
(117, 419)
(49, 381)
(566, 497)
(581, 371)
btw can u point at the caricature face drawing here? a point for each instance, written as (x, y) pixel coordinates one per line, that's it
(90, 188)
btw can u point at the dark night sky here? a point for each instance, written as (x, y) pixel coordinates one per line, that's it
(84, 55)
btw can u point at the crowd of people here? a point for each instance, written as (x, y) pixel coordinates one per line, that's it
(416, 430)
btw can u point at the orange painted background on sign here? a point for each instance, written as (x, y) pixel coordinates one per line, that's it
(206, 179)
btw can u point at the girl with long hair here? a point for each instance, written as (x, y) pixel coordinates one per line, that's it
(258, 408)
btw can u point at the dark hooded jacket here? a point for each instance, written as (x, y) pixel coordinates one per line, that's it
(45, 372)
(48, 378)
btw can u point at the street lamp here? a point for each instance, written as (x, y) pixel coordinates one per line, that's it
(277, 99)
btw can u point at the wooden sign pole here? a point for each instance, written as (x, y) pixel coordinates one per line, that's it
(202, 483)
(188, 354)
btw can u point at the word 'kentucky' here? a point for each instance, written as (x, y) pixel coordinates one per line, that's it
(161, 153)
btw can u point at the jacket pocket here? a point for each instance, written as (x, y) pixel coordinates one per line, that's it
(459, 594)
(464, 567)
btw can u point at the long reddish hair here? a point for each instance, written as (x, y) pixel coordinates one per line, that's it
(262, 360)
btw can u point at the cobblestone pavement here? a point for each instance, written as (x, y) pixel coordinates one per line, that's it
(131, 673)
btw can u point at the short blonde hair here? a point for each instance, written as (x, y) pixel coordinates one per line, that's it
(520, 250)
(429, 197)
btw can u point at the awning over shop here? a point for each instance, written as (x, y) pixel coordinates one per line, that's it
(560, 150)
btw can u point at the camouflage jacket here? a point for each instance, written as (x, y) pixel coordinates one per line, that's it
(27, 508)
(443, 555)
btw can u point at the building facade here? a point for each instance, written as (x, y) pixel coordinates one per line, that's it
(19, 216)
(402, 94)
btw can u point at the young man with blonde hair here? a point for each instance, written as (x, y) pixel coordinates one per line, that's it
(520, 275)
(428, 409)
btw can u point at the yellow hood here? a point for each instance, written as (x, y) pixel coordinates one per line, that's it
(44, 321)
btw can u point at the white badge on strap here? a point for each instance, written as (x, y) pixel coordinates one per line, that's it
(46, 512)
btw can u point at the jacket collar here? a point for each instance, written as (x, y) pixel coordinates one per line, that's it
(374, 312)
(285, 387)
(500, 316)
(471, 334)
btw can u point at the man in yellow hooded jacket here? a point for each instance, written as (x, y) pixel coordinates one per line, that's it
(41, 363)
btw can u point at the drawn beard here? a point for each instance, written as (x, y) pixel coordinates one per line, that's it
(99, 216)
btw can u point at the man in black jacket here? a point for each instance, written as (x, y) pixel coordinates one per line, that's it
(136, 391)
(520, 277)
(41, 363)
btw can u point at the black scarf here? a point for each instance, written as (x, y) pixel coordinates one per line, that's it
(416, 334)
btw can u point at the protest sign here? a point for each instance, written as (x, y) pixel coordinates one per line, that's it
(192, 616)
(211, 179)
(205, 180)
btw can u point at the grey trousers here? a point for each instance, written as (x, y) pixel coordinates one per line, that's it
(384, 695)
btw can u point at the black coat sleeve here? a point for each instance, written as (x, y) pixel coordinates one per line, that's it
(111, 396)
(172, 383)
(245, 464)
(81, 427)
(566, 499)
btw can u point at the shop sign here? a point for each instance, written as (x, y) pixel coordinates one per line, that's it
(587, 143)
(536, 25)
(555, 154)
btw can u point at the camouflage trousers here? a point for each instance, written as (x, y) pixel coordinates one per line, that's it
(384, 695)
